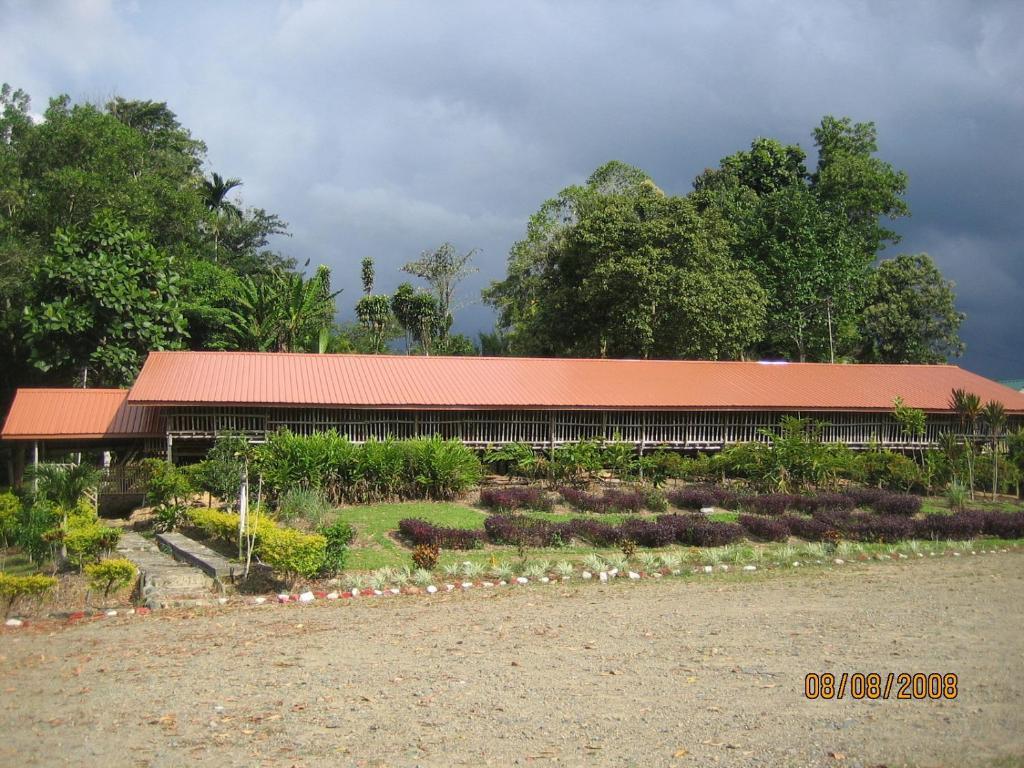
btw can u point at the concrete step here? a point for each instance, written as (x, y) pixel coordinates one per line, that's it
(163, 581)
(190, 551)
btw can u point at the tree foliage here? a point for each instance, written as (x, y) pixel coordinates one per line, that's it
(910, 314)
(617, 268)
(115, 241)
(101, 298)
(762, 258)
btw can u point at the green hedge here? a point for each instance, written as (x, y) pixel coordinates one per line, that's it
(326, 462)
(291, 553)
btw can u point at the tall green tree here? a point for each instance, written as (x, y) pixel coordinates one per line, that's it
(628, 273)
(910, 313)
(852, 179)
(443, 269)
(811, 238)
(419, 316)
(101, 298)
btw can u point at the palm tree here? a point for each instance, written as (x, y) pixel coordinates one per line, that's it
(967, 406)
(65, 485)
(215, 191)
(283, 312)
(994, 417)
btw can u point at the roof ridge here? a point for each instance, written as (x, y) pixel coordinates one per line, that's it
(513, 358)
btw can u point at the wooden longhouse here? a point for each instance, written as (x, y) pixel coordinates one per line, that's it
(181, 401)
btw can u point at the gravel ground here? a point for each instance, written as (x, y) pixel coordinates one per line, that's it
(704, 671)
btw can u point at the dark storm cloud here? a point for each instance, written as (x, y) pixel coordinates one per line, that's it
(382, 129)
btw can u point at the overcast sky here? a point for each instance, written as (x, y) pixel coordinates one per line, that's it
(382, 129)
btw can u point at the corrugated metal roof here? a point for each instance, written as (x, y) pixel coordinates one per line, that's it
(401, 381)
(64, 414)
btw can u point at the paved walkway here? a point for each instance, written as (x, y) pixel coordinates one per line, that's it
(163, 581)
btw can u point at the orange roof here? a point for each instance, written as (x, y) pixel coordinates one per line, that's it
(400, 381)
(56, 414)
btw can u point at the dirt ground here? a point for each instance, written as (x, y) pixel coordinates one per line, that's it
(696, 672)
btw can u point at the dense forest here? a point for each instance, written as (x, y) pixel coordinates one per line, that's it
(116, 238)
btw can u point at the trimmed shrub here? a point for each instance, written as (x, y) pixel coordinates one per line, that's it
(86, 539)
(960, 525)
(14, 588)
(515, 497)
(1005, 525)
(864, 497)
(214, 524)
(421, 532)
(885, 502)
(111, 575)
(622, 500)
(698, 531)
(291, 553)
(523, 531)
(898, 504)
(808, 528)
(596, 532)
(834, 502)
(697, 497)
(773, 503)
(338, 536)
(583, 501)
(647, 533)
(881, 528)
(765, 528)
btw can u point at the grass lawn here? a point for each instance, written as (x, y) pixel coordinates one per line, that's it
(375, 546)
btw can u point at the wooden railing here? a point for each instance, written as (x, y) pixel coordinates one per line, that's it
(688, 430)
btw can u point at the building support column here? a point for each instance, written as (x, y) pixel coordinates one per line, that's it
(170, 448)
(35, 465)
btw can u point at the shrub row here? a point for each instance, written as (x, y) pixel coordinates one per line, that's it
(697, 497)
(13, 588)
(887, 528)
(327, 462)
(881, 501)
(289, 552)
(885, 502)
(516, 497)
(523, 531)
(417, 532)
(690, 530)
(611, 500)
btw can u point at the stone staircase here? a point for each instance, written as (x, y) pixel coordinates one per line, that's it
(163, 581)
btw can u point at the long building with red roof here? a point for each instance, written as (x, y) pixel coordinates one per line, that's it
(181, 401)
